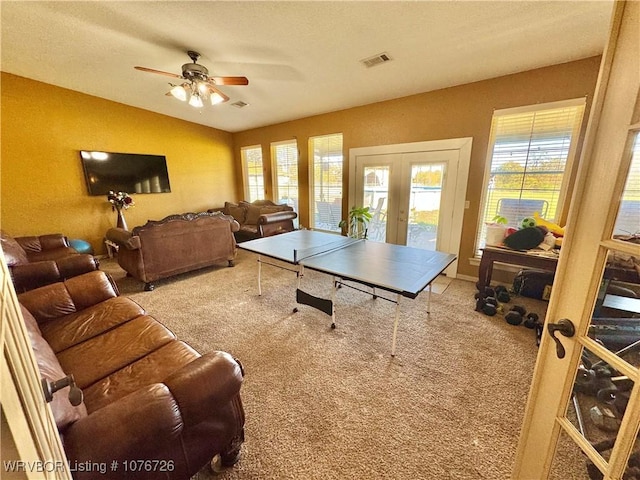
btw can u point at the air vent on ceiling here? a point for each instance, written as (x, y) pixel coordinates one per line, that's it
(376, 60)
(239, 104)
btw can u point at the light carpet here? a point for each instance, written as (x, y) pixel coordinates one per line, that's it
(333, 404)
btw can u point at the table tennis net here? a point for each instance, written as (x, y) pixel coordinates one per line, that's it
(303, 253)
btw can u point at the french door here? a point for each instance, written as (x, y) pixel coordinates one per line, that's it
(583, 413)
(404, 193)
(415, 193)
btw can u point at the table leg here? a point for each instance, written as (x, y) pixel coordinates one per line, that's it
(259, 276)
(395, 326)
(333, 301)
(484, 273)
(429, 301)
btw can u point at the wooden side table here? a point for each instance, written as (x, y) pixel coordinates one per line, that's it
(490, 255)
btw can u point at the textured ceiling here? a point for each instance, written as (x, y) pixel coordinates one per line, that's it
(301, 58)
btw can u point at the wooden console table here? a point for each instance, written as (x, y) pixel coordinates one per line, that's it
(490, 255)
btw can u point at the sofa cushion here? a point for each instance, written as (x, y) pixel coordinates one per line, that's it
(252, 229)
(78, 327)
(152, 368)
(63, 412)
(253, 213)
(14, 254)
(105, 354)
(236, 211)
(65, 298)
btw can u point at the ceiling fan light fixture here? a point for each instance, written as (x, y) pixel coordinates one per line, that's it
(216, 98)
(179, 92)
(197, 87)
(196, 101)
(202, 88)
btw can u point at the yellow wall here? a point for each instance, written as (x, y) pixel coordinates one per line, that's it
(462, 111)
(42, 182)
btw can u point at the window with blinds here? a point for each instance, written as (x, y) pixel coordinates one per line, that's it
(628, 219)
(253, 172)
(284, 156)
(529, 152)
(326, 183)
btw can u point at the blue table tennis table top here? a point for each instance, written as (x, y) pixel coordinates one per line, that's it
(395, 268)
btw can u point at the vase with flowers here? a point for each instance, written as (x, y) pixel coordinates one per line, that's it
(120, 201)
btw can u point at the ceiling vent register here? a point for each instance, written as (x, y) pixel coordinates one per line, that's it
(376, 60)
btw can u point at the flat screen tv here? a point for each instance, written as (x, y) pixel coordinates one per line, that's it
(124, 172)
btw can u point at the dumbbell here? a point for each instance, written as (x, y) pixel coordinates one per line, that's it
(485, 307)
(502, 294)
(515, 315)
(531, 320)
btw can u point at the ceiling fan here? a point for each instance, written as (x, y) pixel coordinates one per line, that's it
(198, 85)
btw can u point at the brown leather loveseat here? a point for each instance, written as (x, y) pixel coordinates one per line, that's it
(175, 244)
(261, 218)
(153, 406)
(35, 261)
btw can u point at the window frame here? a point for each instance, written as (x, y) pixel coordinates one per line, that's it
(563, 198)
(312, 180)
(274, 170)
(247, 187)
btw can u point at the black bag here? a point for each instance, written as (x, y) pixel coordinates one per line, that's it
(533, 284)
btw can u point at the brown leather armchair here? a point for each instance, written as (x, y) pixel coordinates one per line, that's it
(152, 404)
(40, 260)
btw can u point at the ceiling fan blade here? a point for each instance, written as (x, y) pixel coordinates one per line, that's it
(230, 80)
(151, 70)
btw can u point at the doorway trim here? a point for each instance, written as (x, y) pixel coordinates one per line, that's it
(458, 176)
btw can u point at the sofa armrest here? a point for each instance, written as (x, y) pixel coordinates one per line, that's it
(123, 238)
(275, 217)
(209, 382)
(75, 265)
(130, 428)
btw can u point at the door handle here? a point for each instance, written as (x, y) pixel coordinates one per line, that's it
(566, 328)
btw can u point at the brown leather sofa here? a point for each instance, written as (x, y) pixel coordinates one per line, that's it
(261, 218)
(175, 244)
(35, 261)
(152, 404)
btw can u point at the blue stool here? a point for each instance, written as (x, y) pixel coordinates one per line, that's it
(81, 246)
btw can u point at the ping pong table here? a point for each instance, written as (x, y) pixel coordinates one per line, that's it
(404, 271)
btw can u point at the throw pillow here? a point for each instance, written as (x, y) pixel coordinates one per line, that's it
(253, 213)
(238, 212)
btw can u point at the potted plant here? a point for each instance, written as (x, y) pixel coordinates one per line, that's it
(356, 225)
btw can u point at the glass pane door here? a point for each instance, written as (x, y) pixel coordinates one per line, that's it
(424, 205)
(585, 383)
(376, 197)
(610, 361)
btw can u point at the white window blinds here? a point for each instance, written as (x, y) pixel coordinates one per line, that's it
(628, 219)
(253, 172)
(530, 150)
(326, 184)
(285, 160)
